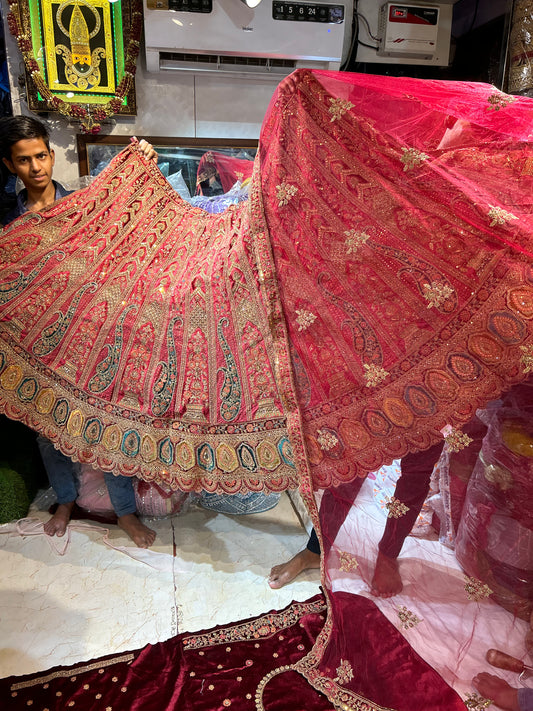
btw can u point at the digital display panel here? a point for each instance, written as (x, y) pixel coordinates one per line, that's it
(191, 5)
(298, 12)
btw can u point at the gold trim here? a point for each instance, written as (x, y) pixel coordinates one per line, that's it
(69, 672)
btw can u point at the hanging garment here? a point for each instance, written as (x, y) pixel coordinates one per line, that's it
(376, 288)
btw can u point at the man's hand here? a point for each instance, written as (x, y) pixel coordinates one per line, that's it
(147, 150)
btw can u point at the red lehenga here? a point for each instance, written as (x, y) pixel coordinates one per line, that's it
(377, 288)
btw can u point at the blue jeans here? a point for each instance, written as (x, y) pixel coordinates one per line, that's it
(63, 475)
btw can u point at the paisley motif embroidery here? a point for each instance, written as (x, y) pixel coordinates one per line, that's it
(107, 369)
(9, 290)
(230, 392)
(53, 334)
(165, 384)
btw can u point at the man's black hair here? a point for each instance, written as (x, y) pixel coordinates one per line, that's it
(20, 128)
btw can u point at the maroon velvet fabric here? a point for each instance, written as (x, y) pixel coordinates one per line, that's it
(214, 669)
(385, 667)
(226, 667)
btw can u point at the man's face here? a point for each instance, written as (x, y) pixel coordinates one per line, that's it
(32, 162)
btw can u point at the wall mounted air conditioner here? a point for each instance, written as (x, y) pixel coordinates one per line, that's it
(270, 40)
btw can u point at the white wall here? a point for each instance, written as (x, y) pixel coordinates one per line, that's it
(168, 104)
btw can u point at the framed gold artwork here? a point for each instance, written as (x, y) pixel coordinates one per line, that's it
(80, 56)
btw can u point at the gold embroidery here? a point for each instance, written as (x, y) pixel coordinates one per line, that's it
(408, 619)
(338, 107)
(305, 319)
(344, 672)
(340, 697)
(395, 507)
(66, 673)
(348, 561)
(326, 440)
(476, 702)
(527, 358)
(457, 440)
(374, 375)
(476, 590)
(437, 293)
(499, 101)
(285, 192)
(264, 627)
(354, 240)
(412, 158)
(264, 681)
(499, 216)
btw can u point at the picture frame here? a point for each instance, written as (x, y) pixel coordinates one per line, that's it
(79, 55)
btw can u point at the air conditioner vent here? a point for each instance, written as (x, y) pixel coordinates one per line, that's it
(210, 62)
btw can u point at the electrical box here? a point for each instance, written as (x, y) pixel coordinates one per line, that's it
(408, 30)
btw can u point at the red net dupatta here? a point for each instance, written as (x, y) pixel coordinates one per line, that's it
(399, 213)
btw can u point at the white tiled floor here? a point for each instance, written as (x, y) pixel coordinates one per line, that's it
(95, 599)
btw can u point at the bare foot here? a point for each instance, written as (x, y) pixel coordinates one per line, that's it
(285, 573)
(141, 535)
(57, 525)
(386, 581)
(498, 690)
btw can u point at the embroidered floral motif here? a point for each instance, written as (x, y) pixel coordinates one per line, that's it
(476, 702)
(326, 440)
(285, 192)
(408, 619)
(354, 240)
(209, 157)
(412, 158)
(344, 672)
(305, 319)
(499, 101)
(457, 440)
(499, 216)
(396, 508)
(348, 561)
(338, 107)
(527, 358)
(437, 293)
(374, 375)
(476, 590)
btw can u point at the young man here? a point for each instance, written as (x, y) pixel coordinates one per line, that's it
(25, 151)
